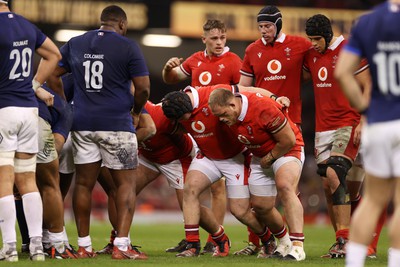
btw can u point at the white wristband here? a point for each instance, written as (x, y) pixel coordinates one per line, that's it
(35, 85)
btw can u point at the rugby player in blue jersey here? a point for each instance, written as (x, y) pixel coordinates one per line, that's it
(104, 64)
(376, 36)
(19, 40)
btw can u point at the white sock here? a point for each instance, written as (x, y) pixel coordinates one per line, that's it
(56, 240)
(8, 217)
(65, 237)
(85, 242)
(285, 240)
(393, 257)
(121, 243)
(355, 254)
(46, 238)
(33, 210)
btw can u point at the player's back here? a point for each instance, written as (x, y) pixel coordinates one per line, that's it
(18, 42)
(103, 64)
(166, 145)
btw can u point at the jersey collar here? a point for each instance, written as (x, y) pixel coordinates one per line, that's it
(245, 107)
(336, 43)
(226, 50)
(281, 39)
(195, 95)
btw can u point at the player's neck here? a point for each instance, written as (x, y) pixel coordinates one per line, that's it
(4, 8)
(107, 27)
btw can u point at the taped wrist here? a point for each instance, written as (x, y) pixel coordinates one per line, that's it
(35, 85)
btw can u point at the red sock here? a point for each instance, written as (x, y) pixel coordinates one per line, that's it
(281, 233)
(342, 233)
(378, 229)
(219, 235)
(354, 204)
(192, 232)
(297, 237)
(253, 238)
(264, 236)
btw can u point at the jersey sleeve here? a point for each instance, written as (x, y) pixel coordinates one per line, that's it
(246, 69)
(186, 65)
(137, 63)
(236, 65)
(272, 118)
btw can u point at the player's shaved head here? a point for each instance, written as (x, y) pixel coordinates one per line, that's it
(113, 13)
(220, 97)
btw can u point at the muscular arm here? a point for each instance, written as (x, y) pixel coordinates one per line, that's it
(50, 57)
(245, 80)
(55, 83)
(146, 128)
(142, 92)
(172, 73)
(285, 140)
(283, 100)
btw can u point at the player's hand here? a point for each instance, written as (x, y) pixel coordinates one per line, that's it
(172, 63)
(267, 161)
(284, 101)
(135, 118)
(357, 133)
(45, 96)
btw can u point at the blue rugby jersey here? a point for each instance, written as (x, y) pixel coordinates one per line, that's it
(19, 39)
(376, 36)
(103, 64)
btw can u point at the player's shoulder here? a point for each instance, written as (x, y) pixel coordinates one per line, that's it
(233, 55)
(197, 55)
(254, 45)
(299, 40)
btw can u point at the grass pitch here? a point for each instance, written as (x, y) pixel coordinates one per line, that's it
(155, 238)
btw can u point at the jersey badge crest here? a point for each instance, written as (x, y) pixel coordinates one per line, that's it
(287, 50)
(334, 59)
(205, 111)
(221, 67)
(249, 130)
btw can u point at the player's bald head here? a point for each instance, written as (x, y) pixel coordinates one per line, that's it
(220, 97)
(113, 13)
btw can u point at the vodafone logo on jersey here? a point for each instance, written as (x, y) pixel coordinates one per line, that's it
(274, 67)
(198, 126)
(205, 78)
(322, 76)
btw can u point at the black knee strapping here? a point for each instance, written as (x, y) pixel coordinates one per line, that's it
(341, 166)
(321, 171)
(340, 196)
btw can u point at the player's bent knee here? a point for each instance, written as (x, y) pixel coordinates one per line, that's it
(341, 166)
(7, 158)
(25, 165)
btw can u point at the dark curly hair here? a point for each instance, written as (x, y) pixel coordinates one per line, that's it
(320, 25)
